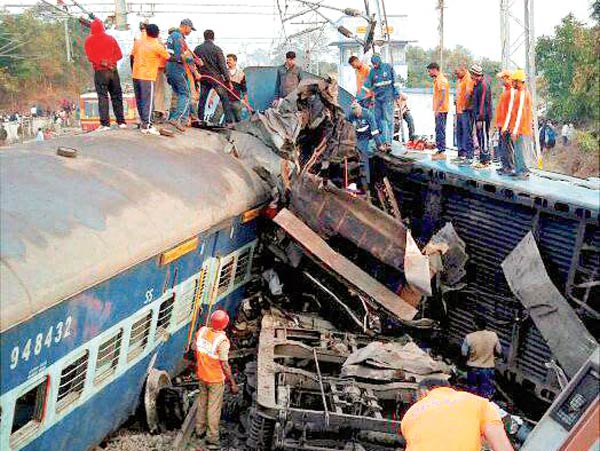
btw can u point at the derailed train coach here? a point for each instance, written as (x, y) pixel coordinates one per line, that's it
(106, 258)
(492, 215)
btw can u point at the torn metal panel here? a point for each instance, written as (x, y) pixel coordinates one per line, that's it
(560, 326)
(416, 266)
(314, 244)
(333, 211)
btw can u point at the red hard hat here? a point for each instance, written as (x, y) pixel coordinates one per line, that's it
(219, 319)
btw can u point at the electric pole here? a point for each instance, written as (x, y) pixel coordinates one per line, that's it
(441, 31)
(121, 14)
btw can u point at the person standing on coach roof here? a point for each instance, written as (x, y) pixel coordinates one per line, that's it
(238, 81)
(482, 113)
(444, 419)
(149, 54)
(176, 75)
(104, 53)
(464, 113)
(212, 350)
(214, 74)
(441, 98)
(288, 77)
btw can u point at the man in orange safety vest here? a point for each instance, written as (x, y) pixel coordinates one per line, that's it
(212, 349)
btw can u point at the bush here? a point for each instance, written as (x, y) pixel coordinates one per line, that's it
(588, 142)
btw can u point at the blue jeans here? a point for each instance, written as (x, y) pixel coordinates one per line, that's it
(521, 145)
(144, 99)
(481, 381)
(177, 79)
(384, 116)
(363, 145)
(505, 152)
(464, 135)
(440, 131)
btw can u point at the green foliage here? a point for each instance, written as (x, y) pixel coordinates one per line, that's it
(33, 61)
(587, 142)
(568, 63)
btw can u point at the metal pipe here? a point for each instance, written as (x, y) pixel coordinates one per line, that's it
(323, 397)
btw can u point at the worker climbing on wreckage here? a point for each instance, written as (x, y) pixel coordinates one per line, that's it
(212, 368)
(366, 130)
(382, 80)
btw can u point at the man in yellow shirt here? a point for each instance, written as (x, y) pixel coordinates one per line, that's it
(441, 98)
(450, 420)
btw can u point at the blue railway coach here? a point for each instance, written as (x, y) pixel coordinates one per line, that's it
(102, 259)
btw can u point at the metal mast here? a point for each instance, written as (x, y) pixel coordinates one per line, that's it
(441, 31)
(121, 14)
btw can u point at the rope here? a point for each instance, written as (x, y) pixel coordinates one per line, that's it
(231, 91)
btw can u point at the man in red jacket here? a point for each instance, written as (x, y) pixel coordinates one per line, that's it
(103, 52)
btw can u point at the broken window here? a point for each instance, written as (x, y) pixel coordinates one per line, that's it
(164, 315)
(108, 357)
(225, 275)
(244, 260)
(139, 335)
(29, 412)
(72, 380)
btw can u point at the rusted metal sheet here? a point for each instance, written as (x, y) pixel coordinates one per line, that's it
(558, 323)
(333, 211)
(314, 244)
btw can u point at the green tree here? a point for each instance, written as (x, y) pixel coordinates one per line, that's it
(568, 63)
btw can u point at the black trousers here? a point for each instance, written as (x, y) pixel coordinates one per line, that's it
(107, 82)
(205, 86)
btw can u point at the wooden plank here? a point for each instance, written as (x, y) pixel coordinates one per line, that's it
(355, 276)
(186, 429)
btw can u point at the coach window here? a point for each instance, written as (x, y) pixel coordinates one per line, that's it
(164, 315)
(72, 381)
(29, 412)
(243, 263)
(225, 275)
(139, 336)
(108, 357)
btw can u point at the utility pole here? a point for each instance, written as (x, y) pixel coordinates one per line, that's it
(121, 14)
(505, 33)
(67, 41)
(530, 67)
(441, 31)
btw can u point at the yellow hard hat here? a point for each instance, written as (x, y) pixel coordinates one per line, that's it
(519, 75)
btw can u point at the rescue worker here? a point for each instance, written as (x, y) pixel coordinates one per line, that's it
(238, 81)
(381, 81)
(103, 51)
(406, 116)
(148, 55)
(505, 151)
(451, 420)
(366, 130)
(482, 114)
(441, 98)
(464, 115)
(519, 124)
(364, 95)
(176, 73)
(3, 134)
(214, 75)
(212, 349)
(288, 77)
(480, 348)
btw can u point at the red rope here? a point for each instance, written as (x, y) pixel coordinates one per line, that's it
(233, 93)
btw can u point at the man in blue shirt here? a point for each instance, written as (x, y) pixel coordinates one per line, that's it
(366, 130)
(381, 80)
(176, 75)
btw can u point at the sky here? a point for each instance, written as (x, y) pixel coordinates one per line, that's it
(251, 24)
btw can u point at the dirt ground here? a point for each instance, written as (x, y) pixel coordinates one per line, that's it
(571, 160)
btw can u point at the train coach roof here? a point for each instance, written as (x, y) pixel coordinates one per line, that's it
(70, 223)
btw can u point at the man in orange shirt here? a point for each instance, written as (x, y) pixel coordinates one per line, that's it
(441, 98)
(464, 112)
(518, 123)
(505, 152)
(363, 95)
(450, 420)
(212, 349)
(148, 54)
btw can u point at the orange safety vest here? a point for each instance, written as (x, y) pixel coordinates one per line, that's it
(464, 93)
(208, 367)
(502, 107)
(441, 84)
(362, 73)
(521, 114)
